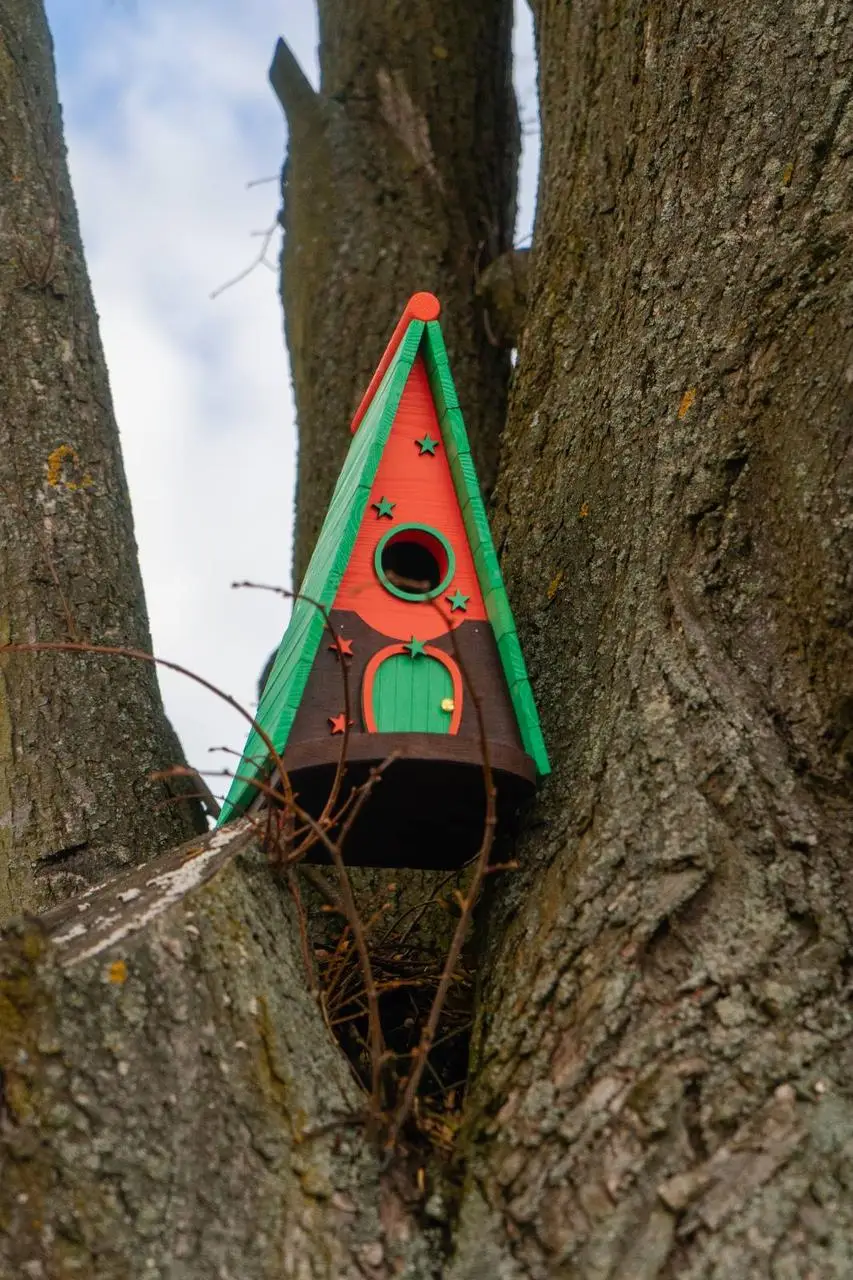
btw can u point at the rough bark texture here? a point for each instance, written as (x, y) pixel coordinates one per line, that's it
(666, 1032)
(661, 1082)
(78, 736)
(400, 176)
(172, 1104)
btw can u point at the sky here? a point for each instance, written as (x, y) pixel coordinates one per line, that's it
(175, 143)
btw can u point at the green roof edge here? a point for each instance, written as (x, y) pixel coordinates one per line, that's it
(286, 683)
(455, 440)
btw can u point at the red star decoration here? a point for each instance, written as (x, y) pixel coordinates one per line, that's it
(342, 647)
(339, 723)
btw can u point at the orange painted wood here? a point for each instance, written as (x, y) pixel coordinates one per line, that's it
(421, 306)
(422, 489)
(368, 680)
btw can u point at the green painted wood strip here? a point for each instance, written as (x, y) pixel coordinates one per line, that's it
(499, 612)
(534, 744)
(438, 369)
(455, 440)
(512, 657)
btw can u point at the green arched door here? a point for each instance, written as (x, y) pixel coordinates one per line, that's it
(412, 695)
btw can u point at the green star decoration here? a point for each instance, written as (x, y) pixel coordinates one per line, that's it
(384, 508)
(416, 648)
(458, 601)
(427, 444)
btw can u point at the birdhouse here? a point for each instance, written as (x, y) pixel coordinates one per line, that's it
(416, 613)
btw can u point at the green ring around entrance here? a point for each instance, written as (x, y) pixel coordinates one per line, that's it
(433, 542)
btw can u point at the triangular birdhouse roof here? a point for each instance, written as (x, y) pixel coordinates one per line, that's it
(417, 334)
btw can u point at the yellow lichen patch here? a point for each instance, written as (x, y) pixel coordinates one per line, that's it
(17, 1097)
(117, 972)
(554, 584)
(55, 462)
(33, 944)
(584, 511)
(686, 401)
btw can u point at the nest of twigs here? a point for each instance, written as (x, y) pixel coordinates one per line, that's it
(406, 980)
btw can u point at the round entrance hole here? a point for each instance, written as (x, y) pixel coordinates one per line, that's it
(414, 562)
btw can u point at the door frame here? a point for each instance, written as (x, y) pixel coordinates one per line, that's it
(429, 652)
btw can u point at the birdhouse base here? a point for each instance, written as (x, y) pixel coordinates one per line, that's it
(426, 811)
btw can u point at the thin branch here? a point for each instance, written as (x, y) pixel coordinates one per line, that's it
(355, 923)
(139, 655)
(307, 955)
(451, 960)
(333, 848)
(257, 261)
(187, 771)
(321, 885)
(342, 755)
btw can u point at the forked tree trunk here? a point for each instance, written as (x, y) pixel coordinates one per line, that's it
(78, 736)
(660, 1085)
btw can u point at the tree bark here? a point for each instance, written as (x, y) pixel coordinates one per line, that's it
(662, 1078)
(664, 1041)
(400, 176)
(75, 798)
(172, 1103)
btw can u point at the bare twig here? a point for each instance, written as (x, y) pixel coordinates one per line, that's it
(354, 919)
(467, 903)
(187, 771)
(260, 259)
(340, 769)
(139, 655)
(63, 599)
(333, 848)
(307, 956)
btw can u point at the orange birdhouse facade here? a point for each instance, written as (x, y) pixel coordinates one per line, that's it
(411, 582)
(412, 579)
(417, 656)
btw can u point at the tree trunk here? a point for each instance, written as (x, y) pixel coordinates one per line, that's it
(400, 176)
(75, 754)
(665, 1045)
(664, 1040)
